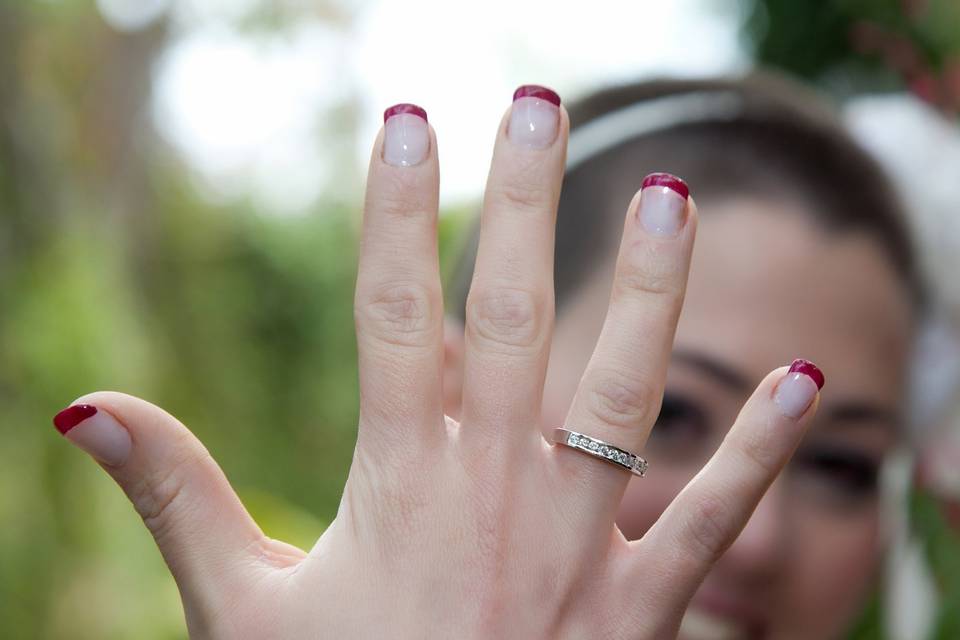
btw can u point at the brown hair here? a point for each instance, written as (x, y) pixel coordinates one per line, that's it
(781, 143)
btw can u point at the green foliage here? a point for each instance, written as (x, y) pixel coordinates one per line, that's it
(870, 624)
(813, 38)
(941, 544)
(853, 46)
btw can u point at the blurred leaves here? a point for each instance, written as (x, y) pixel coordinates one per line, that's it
(116, 274)
(857, 45)
(941, 543)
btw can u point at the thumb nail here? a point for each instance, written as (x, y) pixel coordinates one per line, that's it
(96, 432)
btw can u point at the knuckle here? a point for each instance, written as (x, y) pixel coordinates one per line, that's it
(523, 193)
(619, 403)
(403, 196)
(759, 448)
(160, 498)
(508, 317)
(398, 314)
(647, 275)
(707, 528)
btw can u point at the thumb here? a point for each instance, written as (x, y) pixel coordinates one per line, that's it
(198, 522)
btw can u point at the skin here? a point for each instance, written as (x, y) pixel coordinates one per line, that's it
(475, 527)
(767, 284)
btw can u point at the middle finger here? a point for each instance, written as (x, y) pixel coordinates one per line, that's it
(509, 314)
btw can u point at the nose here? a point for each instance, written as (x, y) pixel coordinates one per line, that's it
(759, 550)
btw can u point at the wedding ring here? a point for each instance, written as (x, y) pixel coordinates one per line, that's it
(600, 449)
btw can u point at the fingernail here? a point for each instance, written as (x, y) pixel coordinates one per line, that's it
(663, 203)
(798, 388)
(406, 136)
(534, 117)
(96, 432)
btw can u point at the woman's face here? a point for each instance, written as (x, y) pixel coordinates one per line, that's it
(768, 286)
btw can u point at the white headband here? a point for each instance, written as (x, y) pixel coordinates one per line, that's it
(641, 118)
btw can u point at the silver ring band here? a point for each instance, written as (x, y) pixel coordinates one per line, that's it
(603, 450)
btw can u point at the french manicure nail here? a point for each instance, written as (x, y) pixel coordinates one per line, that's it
(96, 432)
(798, 388)
(534, 117)
(663, 202)
(406, 136)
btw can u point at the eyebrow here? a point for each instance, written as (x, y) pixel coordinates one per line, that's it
(862, 412)
(716, 369)
(845, 412)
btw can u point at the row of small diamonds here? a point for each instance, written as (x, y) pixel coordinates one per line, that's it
(610, 453)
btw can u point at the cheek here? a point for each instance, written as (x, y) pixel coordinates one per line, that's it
(644, 501)
(845, 548)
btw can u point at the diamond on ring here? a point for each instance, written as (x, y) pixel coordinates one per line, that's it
(600, 449)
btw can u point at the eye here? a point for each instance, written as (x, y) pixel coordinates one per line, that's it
(681, 428)
(842, 472)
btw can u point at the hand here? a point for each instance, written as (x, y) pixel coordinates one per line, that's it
(476, 529)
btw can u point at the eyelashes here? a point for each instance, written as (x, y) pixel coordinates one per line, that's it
(679, 414)
(846, 469)
(682, 432)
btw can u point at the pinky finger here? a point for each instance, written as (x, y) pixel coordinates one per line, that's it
(708, 515)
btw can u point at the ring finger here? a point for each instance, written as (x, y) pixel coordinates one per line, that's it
(619, 395)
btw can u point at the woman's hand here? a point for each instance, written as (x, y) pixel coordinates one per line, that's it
(476, 529)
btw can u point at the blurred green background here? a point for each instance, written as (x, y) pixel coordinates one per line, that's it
(119, 271)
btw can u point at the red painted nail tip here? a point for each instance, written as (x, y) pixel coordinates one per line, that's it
(72, 416)
(536, 91)
(404, 107)
(808, 368)
(669, 181)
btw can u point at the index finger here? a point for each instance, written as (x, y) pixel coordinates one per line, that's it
(398, 306)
